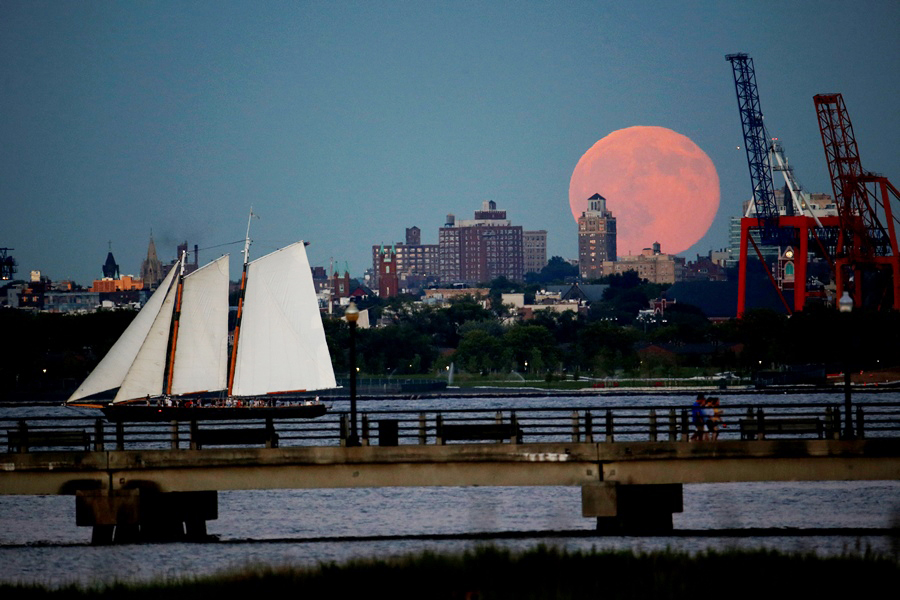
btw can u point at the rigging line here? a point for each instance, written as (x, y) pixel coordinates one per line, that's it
(221, 245)
(273, 243)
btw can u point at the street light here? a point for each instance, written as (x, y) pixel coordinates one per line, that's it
(352, 316)
(845, 305)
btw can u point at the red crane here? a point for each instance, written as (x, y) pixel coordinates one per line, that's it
(867, 264)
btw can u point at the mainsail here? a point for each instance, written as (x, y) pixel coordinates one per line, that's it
(282, 345)
(111, 371)
(201, 357)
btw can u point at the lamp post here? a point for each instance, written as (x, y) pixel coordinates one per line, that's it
(845, 305)
(352, 316)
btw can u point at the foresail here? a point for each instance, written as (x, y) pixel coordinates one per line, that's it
(282, 344)
(145, 376)
(110, 372)
(201, 350)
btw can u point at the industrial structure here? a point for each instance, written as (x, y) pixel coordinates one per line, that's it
(857, 241)
(867, 262)
(7, 265)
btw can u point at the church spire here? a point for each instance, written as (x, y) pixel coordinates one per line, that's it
(151, 268)
(110, 268)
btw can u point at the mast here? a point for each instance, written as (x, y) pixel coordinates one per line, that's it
(173, 335)
(240, 310)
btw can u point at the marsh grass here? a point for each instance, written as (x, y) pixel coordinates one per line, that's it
(543, 572)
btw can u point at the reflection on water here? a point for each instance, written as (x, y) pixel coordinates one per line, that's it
(39, 541)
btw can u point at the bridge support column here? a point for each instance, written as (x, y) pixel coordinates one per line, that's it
(631, 509)
(140, 515)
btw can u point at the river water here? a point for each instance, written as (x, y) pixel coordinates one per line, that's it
(39, 541)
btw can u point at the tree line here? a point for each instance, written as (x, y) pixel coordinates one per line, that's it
(53, 351)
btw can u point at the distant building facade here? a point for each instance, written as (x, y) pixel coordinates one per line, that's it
(535, 250)
(705, 268)
(651, 264)
(320, 279)
(414, 263)
(596, 238)
(112, 281)
(125, 283)
(821, 205)
(340, 285)
(445, 295)
(481, 249)
(388, 278)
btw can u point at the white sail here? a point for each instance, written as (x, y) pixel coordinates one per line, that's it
(110, 372)
(281, 346)
(145, 376)
(201, 349)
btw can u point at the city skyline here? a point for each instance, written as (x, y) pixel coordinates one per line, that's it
(343, 123)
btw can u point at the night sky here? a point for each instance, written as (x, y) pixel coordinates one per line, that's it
(343, 123)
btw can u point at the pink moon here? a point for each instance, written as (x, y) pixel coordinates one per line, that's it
(658, 184)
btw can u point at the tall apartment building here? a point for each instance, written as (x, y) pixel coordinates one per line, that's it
(596, 238)
(481, 249)
(535, 250)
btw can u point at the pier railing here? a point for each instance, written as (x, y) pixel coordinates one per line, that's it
(401, 427)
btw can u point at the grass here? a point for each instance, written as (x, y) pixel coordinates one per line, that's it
(543, 572)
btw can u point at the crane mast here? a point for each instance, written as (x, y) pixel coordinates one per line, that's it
(772, 229)
(756, 144)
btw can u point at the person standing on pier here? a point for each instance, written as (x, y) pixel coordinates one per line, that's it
(697, 417)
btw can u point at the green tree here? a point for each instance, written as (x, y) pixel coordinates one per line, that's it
(526, 342)
(557, 270)
(481, 352)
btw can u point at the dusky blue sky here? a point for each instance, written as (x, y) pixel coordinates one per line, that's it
(343, 123)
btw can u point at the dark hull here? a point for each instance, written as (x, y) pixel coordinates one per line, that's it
(142, 413)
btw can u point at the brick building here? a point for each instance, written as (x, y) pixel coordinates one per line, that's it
(481, 249)
(414, 262)
(651, 264)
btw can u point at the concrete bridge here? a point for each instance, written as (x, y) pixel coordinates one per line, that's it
(159, 481)
(629, 486)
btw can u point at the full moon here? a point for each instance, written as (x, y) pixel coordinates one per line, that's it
(658, 184)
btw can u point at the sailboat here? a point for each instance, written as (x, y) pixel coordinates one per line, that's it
(172, 362)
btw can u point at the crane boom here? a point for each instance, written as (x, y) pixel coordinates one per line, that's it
(756, 144)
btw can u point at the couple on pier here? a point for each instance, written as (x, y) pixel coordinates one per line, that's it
(707, 417)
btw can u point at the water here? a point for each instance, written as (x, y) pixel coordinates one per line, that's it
(39, 541)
